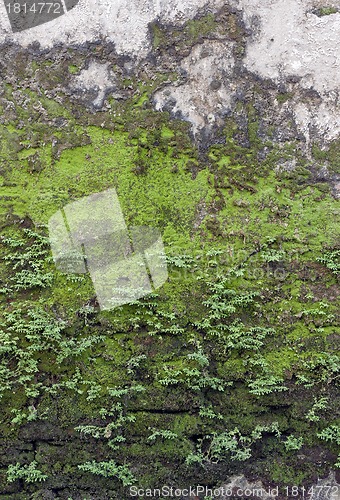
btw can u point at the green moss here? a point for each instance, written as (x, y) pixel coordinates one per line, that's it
(287, 475)
(250, 301)
(73, 69)
(283, 97)
(192, 31)
(326, 11)
(328, 155)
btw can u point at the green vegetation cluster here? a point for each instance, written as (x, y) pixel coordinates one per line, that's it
(234, 361)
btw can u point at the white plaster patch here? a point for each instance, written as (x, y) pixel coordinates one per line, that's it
(323, 120)
(207, 91)
(292, 41)
(123, 22)
(97, 77)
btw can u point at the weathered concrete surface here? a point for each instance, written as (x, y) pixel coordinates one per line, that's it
(290, 40)
(287, 40)
(326, 489)
(213, 80)
(97, 77)
(208, 87)
(124, 23)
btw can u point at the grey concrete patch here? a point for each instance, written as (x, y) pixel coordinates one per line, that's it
(322, 119)
(205, 96)
(241, 485)
(294, 41)
(97, 78)
(326, 489)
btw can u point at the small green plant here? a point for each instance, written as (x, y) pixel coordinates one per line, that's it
(29, 473)
(193, 378)
(246, 339)
(323, 367)
(331, 434)
(109, 469)
(266, 384)
(30, 415)
(326, 11)
(272, 255)
(27, 333)
(73, 69)
(222, 304)
(229, 444)
(319, 404)
(27, 260)
(114, 418)
(134, 363)
(331, 260)
(209, 413)
(181, 261)
(195, 459)
(293, 443)
(161, 433)
(320, 313)
(263, 380)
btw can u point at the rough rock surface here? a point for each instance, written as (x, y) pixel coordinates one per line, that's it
(206, 94)
(214, 118)
(287, 40)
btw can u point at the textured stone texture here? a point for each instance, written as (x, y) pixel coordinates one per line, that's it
(288, 40)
